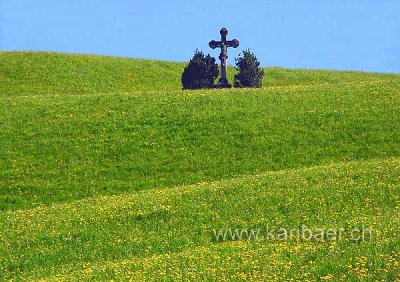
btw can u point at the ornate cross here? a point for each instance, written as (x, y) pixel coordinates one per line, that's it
(223, 44)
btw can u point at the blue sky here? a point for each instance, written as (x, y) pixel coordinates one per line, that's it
(326, 34)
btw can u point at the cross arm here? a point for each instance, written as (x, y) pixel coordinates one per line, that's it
(214, 44)
(232, 43)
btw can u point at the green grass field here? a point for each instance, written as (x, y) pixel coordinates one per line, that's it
(109, 171)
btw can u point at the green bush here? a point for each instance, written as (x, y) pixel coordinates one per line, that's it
(200, 72)
(250, 74)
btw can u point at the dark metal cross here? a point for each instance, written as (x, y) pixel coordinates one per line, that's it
(223, 44)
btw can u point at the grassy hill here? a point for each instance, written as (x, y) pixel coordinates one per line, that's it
(109, 171)
(41, 73)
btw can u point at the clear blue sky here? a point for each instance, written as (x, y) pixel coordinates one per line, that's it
(326, 34)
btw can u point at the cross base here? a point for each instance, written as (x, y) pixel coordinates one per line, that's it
(219, 86)
(222, 83)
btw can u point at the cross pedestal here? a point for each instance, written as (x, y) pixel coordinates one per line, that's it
(223, 44)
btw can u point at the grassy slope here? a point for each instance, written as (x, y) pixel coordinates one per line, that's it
(144, 232)
(64, 147)
(74, 127)
(33, 73)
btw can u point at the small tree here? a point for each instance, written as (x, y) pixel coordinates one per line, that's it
(250, 73)
(200, 72)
